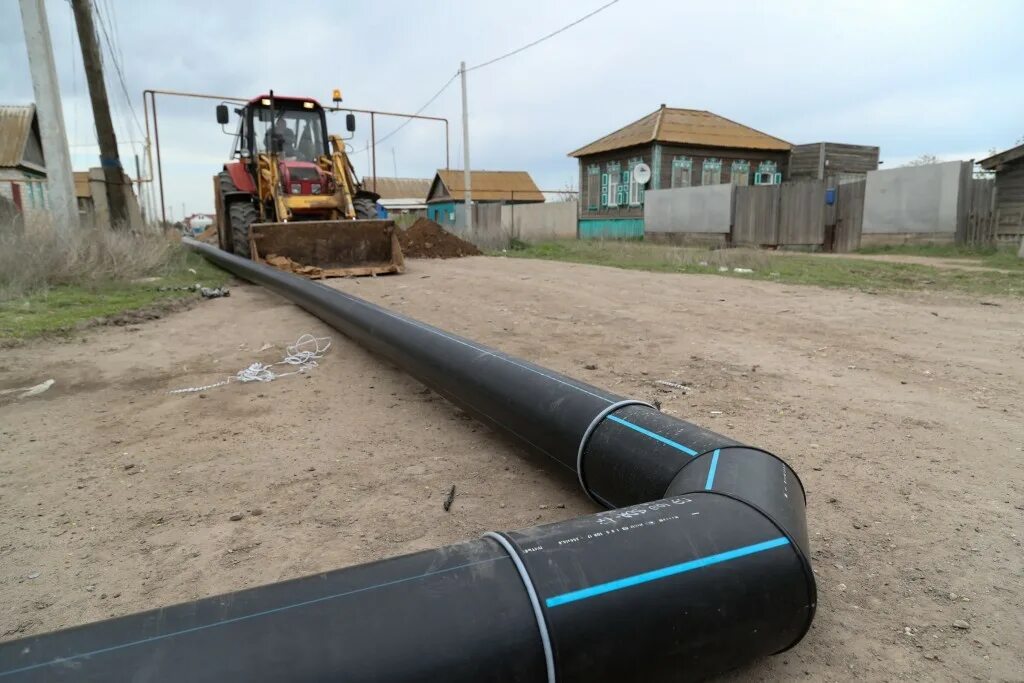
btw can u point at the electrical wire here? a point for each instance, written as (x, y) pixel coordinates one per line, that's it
(418, 111)
(541, 40)
(117, 67)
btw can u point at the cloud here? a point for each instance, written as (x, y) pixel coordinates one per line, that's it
(910, 78)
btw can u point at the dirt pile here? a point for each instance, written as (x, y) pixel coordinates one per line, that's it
(427, 239)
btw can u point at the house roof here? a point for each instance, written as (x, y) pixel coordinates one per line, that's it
(488, 186)
(996, 160)
(15, 127)
(399, 188)
(684, 127)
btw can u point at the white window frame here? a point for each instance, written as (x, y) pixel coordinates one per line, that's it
(635, 189)
(593, 186)
(614, 171)
(714, 166)
(743, 167)
(685, 167)
(767, 174)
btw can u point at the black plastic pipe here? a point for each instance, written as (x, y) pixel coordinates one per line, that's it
(710, 575)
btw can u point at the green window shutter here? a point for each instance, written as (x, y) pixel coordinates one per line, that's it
(604, 189)
(624, 189)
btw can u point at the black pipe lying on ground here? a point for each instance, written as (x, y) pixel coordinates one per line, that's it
(711, 574)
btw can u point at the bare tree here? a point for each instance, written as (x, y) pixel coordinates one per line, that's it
(923, 160)
(568, 193)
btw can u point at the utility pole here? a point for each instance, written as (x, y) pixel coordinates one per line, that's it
(110, 161)
(465, 154)
(60, 183)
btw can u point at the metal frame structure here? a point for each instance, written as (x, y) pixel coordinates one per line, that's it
(151, 101)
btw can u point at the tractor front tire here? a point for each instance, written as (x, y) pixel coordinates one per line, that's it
(365, 207)
(241, 214)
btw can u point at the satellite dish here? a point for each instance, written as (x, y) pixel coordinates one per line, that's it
(642, 173)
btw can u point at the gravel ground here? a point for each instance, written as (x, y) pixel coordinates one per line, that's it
(903, 414)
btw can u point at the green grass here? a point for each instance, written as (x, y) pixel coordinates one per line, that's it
(60, 309)
(992, 257)
(860, 274)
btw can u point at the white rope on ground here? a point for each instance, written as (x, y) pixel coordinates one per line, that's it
(303, 355)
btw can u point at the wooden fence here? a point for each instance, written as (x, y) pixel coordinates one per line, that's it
(976, 209)
(798, 214)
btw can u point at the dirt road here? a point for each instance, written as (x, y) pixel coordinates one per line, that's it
(904, 416)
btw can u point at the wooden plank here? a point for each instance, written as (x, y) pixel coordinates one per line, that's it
(849, 216)
(802, 213)
(756, 215)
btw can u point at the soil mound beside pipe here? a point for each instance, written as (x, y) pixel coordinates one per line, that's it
(427, 239)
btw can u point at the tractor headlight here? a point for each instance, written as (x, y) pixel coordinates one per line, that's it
(316, 188)
(296, 188)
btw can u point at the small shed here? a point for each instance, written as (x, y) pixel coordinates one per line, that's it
(448, 189)
(400, 195)
(1008, 167)
(821, 160)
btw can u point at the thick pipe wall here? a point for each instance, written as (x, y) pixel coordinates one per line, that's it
(702, 567)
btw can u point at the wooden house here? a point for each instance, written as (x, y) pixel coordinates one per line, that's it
(1009, 186)
(448, 190)
(683, 148)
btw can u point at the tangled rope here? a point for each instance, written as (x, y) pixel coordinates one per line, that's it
(303, 355)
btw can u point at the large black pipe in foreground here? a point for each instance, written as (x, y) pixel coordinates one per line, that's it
(712, 573)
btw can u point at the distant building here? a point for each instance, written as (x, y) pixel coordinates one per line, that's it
(683, 148)
(447, 192)
(400, 195)
(1009, 169)
(22, 168)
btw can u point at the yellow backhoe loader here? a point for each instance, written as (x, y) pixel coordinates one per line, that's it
(291, 199)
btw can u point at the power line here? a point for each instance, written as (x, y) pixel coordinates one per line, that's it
(117, 68)
(418, 111)
(492, 61)
(541, 40)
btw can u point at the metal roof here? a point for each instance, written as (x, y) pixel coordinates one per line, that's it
(399, 188)
(489, 186)
(15, 126)
(684, 127)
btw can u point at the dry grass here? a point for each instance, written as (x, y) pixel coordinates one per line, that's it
(41, 259)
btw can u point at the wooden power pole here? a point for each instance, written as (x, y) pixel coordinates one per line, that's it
(110, 161)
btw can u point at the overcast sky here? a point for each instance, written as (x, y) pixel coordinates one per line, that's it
(942, 78)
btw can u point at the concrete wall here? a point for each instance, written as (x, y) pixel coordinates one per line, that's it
(916, 200)
(540, 222)
(706, 210)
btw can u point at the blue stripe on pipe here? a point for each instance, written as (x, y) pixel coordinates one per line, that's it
(711, 472)
(646, 577)
(656, 437)
(232, 620)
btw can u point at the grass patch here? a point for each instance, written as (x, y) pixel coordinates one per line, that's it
(36, 301)
(860, 274)
(993, 257)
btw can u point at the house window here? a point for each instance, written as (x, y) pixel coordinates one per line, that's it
(611, 185)
(712, 172)
(636, 190)
(767, 174)
(593, 189)
(682, 168)
(739, 172)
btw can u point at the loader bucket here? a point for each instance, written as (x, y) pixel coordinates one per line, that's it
(337, 248)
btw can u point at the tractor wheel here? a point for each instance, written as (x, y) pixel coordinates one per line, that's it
(241, 215)
(365, 207)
